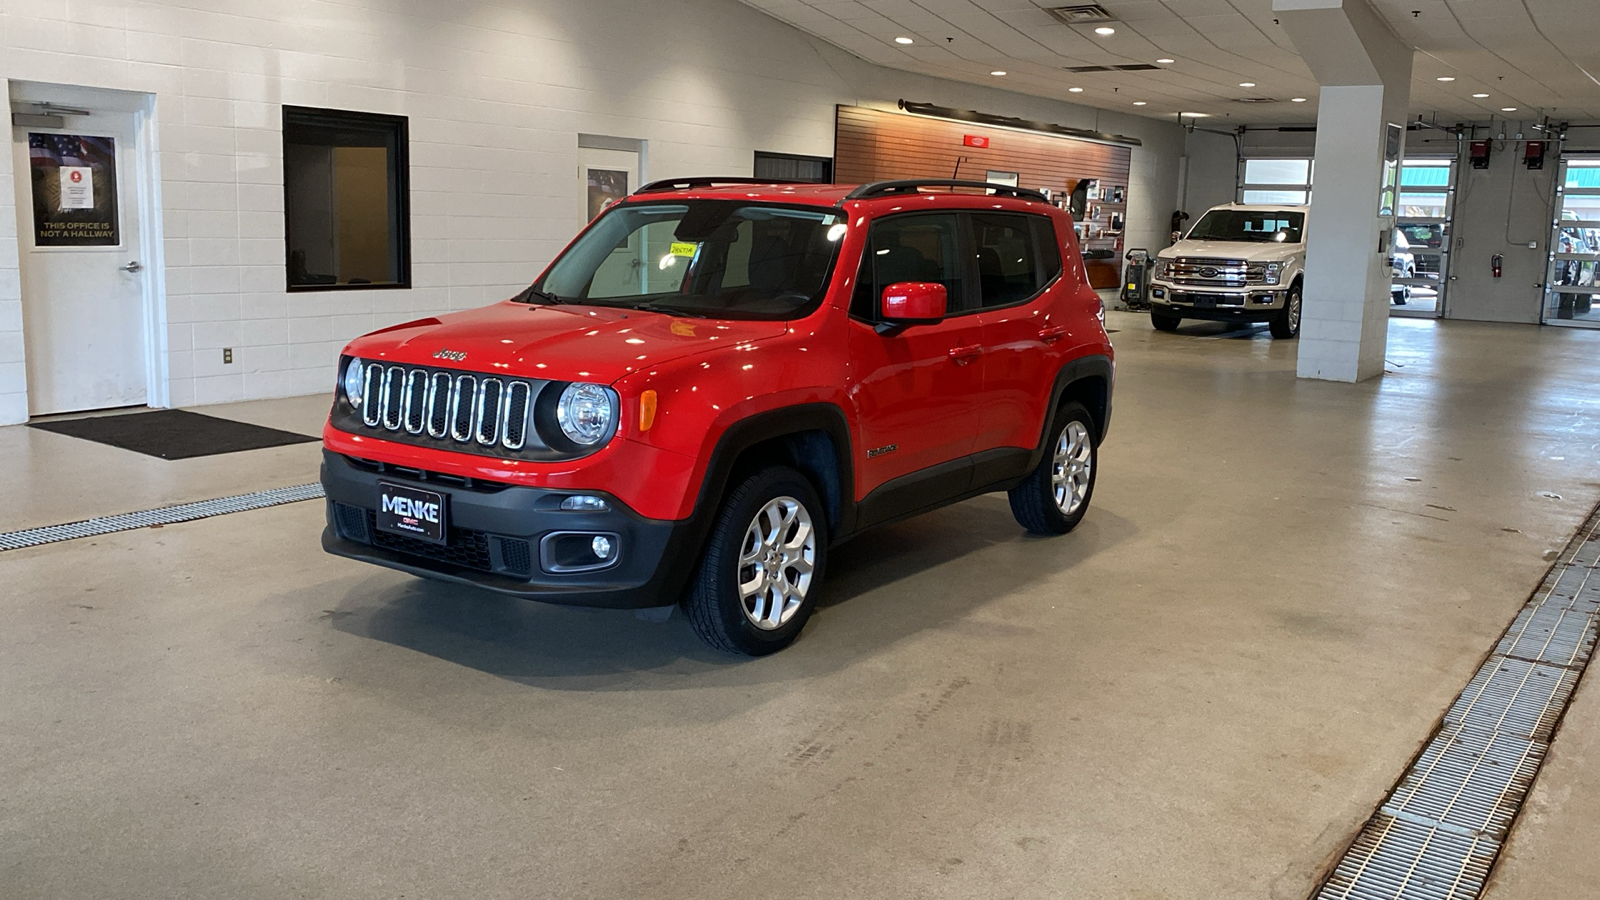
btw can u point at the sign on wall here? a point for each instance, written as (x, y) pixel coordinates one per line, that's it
(74, 190)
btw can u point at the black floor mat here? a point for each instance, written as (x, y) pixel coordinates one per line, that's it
(173, 433)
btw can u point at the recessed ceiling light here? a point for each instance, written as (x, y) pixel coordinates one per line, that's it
(1138, 103)
(1164, 60)
(1076, 90)
(1105, 29)
(1194, 115)
(902, 40)
(1247, 84)
(1479, 96)
(1297, 99)
(1445, 78)
(1508, 109)
(998, 72)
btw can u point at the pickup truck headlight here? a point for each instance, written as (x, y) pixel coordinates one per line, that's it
(353, 381)
(1274, 271)
(587, 413)
(1158, 268)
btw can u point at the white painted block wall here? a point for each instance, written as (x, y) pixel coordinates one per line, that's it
(496, 92)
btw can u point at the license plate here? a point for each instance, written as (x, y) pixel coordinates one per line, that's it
(410, 512)
(1203, 301)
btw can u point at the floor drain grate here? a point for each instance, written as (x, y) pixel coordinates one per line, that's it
(166, 515)
(1437, 835)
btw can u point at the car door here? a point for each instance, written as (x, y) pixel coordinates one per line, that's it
(1024, 329)
(916, 389)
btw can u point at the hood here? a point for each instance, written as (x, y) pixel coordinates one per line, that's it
(1245, 250)
(562, 343)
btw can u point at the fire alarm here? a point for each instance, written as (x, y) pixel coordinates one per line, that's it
(1533, 155)
(1478, 152)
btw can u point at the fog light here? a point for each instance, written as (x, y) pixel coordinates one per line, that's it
(584, 503)
(578, 551)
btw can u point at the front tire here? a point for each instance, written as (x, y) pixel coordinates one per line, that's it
(758, 580)
(1055, 496)
(1286, 324)
(1163, 322)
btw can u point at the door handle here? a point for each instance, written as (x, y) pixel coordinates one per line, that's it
(964, 355)
(1053, 333)
(131, 267)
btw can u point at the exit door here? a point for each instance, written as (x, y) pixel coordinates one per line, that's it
(85, 303)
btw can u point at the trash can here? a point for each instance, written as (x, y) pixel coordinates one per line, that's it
(1136, 280)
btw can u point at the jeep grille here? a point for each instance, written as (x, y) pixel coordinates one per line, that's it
(481, 411)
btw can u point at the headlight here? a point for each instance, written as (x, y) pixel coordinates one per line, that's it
(1274, 272)
(587, 413)
(353, 372)
(1158, 269)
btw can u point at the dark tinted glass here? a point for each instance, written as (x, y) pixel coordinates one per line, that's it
(1008, 261)
(924, 248)
(344, 197)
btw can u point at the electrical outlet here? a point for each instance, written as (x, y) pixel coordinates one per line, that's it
(227, 356)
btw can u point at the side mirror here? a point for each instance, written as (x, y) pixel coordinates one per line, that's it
(914, 303)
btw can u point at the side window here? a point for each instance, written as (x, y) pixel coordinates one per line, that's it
(1009, 265)
(911, 248)
(1049, 244)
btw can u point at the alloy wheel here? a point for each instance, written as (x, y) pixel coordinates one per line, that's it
(1074, 459)
(776, 562)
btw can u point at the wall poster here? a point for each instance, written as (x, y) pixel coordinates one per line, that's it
(74, 190)
(605, 187)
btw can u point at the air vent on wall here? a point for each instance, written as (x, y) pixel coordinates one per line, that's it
(1081, 69)
(1086, 14)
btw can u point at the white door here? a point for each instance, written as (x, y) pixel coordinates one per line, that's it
(83, 291)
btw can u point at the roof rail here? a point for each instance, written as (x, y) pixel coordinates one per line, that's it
(683, 184)
(888, 188)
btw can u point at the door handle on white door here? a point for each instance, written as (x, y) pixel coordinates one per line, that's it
(131, 267)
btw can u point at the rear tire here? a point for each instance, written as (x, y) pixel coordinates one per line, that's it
(1055, 496)
(1164, 322)
(1286, 324)
(758, 579)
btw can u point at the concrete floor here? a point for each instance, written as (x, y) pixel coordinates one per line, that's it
(1200, 693)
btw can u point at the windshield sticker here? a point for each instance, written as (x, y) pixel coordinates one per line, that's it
(684, 248)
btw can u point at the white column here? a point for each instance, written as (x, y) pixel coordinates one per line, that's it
(1365, 73)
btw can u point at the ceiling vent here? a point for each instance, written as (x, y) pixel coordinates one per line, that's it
(1137, 67)
(1082, 69)
(1087, 14)
(1256, 100)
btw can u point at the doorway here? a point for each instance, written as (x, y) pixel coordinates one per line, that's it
(1420, 260)
(1570, 283)
(82, 161)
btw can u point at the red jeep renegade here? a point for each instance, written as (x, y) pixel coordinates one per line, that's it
(716, 381)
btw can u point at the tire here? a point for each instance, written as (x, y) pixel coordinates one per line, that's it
(1286, 324)
(775, 502)
(1055, 496)
(1164, 322)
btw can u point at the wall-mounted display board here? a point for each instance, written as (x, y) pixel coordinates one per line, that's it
(878, 145)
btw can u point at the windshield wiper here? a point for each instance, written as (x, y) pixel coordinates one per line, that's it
(672, 310)
(528, 296)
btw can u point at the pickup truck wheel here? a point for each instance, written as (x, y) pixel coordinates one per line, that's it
(1056, 495)
(1164, 322)
(1286, 324)
(757, 582)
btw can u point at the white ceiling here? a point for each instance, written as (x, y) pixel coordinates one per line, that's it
(1540, 56)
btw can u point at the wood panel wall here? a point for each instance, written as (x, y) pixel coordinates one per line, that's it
(877, 145)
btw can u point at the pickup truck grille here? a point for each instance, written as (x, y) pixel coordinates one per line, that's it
(1198, 272)
(481, 411)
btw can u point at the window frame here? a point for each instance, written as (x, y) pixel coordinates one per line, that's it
(399, 189)
(969, 251)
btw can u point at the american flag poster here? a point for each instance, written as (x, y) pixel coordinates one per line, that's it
(74, 190)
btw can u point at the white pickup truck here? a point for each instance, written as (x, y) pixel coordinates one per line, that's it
(1239, 263)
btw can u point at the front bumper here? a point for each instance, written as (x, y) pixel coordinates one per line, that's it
(1253, 304)
(494, 538)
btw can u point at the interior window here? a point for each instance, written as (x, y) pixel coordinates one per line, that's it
(1008, 266)
(924, 248)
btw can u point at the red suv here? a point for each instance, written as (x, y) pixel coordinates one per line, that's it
(716, 381)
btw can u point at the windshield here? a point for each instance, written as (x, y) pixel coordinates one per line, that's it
(725, 259)
(1260, 226)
